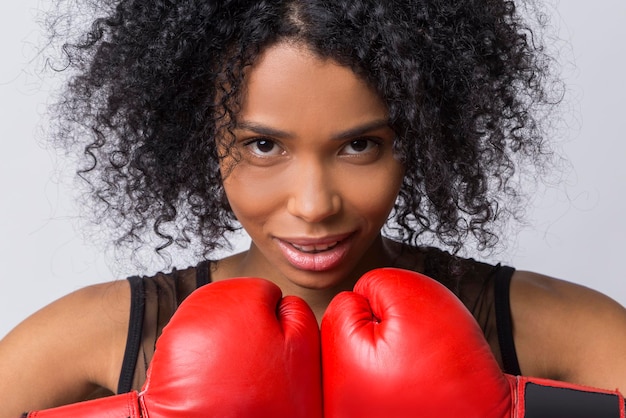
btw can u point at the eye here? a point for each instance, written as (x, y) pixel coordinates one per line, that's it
(360, 146)
(263, 147)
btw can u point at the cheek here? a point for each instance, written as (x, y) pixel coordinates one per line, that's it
(373, 191)
(382, 190)
(251, 195)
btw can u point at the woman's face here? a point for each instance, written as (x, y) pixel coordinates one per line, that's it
(316, 175)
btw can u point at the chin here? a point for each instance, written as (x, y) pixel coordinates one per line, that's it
(324, 280)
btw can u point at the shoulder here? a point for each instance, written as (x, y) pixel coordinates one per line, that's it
(64, 351)
(568, 332)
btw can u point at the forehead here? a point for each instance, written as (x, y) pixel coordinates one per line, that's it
(292, 87)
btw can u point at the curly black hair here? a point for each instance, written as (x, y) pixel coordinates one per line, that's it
(154, 82)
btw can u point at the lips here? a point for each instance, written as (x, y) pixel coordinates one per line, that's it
(315, 248)
(318, 254)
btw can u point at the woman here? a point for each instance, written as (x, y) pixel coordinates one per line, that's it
(316, 126)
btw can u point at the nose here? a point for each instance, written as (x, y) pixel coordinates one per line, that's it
(313, 196)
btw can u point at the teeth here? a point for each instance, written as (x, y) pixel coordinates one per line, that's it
(314, 248)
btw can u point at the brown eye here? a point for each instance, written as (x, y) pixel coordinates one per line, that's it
(263, 147)
(360, 146)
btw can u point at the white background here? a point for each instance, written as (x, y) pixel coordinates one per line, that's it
(576, 229)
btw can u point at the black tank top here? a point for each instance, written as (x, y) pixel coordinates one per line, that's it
(483, 288)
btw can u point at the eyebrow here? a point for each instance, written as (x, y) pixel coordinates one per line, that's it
(261, 129)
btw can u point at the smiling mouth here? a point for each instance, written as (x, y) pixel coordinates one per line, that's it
(314, 249)
(315, 254)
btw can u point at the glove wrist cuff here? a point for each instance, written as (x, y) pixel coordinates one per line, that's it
(535, 398)
(122, 406)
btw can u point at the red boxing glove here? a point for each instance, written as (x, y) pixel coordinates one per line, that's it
(232, 349)
(402, 345)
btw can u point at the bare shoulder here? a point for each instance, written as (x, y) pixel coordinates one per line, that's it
(65, 351)
(568, 332)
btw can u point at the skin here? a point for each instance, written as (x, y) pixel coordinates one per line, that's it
(327, 173)
(315, 166)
